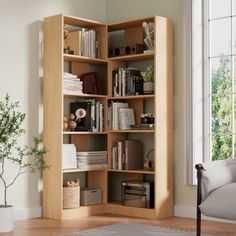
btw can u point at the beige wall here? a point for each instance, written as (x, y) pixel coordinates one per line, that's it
(21, 71)
(184, 196)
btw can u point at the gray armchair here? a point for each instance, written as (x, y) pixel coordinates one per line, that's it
(216, 190)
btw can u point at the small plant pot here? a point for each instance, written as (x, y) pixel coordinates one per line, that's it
(6, 218)
(148, 87)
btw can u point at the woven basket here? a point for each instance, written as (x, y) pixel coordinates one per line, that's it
(71, 197)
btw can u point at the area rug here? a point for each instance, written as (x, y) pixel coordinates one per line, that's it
(132, 229)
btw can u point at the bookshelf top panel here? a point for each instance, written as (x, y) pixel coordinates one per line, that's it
(81, 22)
(129, 24)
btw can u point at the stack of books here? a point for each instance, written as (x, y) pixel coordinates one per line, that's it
(91, 159)
(72, 85)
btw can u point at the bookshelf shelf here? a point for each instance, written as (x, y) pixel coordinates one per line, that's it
(83, 170)
(85, 95)
(135, 57)
(84, 133)
(149, 96)
(150, 172)
(75, 58)
(132, 131)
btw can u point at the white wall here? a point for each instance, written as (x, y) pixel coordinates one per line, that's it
(21, 73)
(184, 196)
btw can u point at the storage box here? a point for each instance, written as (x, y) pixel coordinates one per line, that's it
(71, 197)
(90, 196)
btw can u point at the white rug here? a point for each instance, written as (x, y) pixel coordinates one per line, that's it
(132, 229)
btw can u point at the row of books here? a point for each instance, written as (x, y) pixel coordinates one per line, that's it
(72, 84)
(91, 159)
(127, 81)
(127, 155)
(85, 42)
(89, 115)
(120, 116)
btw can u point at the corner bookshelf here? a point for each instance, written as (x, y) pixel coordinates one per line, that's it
(159, 103)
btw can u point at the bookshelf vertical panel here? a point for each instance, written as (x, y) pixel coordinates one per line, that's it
(52, 100)
(103, 41)
(164, 121)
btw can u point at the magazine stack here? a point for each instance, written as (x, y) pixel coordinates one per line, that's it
(92, 160)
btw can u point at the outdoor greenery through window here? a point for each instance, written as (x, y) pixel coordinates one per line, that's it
(221, 71)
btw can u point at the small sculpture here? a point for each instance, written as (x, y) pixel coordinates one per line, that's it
(149, 35)
(72, 123)
(66, 41)
(65, 123)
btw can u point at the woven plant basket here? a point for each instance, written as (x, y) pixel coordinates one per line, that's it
(71, 197)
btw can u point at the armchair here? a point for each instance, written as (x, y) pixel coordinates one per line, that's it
(216, 190)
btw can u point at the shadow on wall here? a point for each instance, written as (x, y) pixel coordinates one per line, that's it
(35, 104)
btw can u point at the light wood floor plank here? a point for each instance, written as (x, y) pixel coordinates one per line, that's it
(45, 227)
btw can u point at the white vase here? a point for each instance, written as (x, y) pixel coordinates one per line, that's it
(148, 87)
(6, 219)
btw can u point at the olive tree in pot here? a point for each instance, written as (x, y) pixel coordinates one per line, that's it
(23, 157)
(148, 80)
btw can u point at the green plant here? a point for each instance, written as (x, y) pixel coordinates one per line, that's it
(25, 158)
(148, 74)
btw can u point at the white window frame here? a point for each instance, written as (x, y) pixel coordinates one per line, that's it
(194, 87)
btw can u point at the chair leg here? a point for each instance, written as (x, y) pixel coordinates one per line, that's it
(198, 222)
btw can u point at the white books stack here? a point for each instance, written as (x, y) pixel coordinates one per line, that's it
(72, 85)
(91, 159)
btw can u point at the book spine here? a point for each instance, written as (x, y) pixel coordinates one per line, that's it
(97, 116)
(101, 117)
(120, 155)
(114, 158)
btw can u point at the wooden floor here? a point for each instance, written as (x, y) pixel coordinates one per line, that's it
(44, 227)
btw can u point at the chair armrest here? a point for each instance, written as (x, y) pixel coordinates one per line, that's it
(199, 168)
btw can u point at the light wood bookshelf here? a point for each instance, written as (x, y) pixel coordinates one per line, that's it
(162, 106)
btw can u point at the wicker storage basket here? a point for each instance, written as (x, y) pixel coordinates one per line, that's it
(71, 197)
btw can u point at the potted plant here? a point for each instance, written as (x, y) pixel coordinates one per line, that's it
(11, 153)
(148, 80)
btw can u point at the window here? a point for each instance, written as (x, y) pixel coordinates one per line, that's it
(219, 79)
(210, 84)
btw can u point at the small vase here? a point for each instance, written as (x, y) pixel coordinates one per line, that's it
(148, 87)
(6, 218)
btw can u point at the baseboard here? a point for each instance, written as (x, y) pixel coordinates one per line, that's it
(27, 213)
(190, 212)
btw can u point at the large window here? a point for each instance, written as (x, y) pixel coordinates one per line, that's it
(210, 82)
(219, 78)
